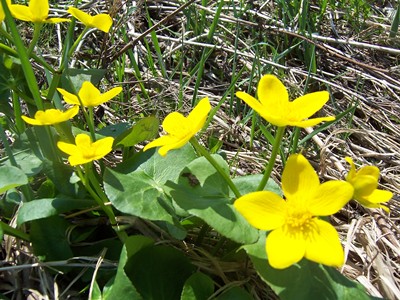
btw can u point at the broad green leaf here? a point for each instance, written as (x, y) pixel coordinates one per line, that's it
(96, 292)
(121, 287)
(249, 183)
(235, 293)
(198, 287)
(136, 187)
(114, 130)
(144, 129)
(202, 191)
(43, 208)
(60, 175)
(49, 238)
(305, 280)
(159, 272)
(78, 76)
(11, 177)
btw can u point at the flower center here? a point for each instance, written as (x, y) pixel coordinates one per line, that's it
(299, 221)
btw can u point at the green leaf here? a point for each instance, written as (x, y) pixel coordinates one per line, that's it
(249, 183)
(121, 287)
(43, 208)
(114, 130)
(77, 76)
(305, 280)
(144, 129)
(136, 187)
(198, 287)
(235, 293)
(11, 177)
(49, 238)
(96, 292)
(159, 272)
(203, 192)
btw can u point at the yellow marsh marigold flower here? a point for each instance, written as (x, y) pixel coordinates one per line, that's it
(297, 231)
(85, 150)
(51, 116)
(181, 129)
(365, 183)
(89, 95)
(275, 107)
(102, 22)
(37, 12)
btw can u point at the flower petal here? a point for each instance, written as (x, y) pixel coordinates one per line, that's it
(310, 122)
(369, 171)
(102, 22)
(198, 116)
(323, 245)
(39, 9)
(330, 197)
(67, 148)
(109, 95)
(176, 124)
(380, 196)
(68, 97)
(284, 250)
(364, 186)
(175, 144)
(102, 147)
(21, 12)
(261, 110)
(161, 141)
(307, 105)
(85, 18)
(272, 93)
(75, 160)
(31, 121)
(299, 180)
(263, 210)
(89, 94)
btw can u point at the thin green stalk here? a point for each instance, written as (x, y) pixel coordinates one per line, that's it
(23, 56)
(217, 167)
(271, 162)
(19, 123)
(36, 35)
(295, 143)
(7, 229)
(78, 40)
(101, 198)
(6, 146)
(90, 122)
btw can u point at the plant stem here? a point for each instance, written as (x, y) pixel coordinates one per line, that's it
(7, 229)
(217, 167)
(90, 180)
(271, 162)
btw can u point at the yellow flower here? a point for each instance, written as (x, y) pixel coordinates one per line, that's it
(85, 150)
(365, 183)
(181, 129)
(37, 12)
(89, 95)
(51, 116)
(102, 22)
(297, 231)
(275, 107)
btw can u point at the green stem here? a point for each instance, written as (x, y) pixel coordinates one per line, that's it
(101, 198)
(7, 148)
(7, 229)
(90, 122)
(78, 40)
(295, 142)
(271, 162)
(200, 149)
(36, 34)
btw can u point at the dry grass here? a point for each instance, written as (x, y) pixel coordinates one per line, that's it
(358, 68)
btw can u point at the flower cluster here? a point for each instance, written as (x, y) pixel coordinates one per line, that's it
(296, 231)
(37, 11)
